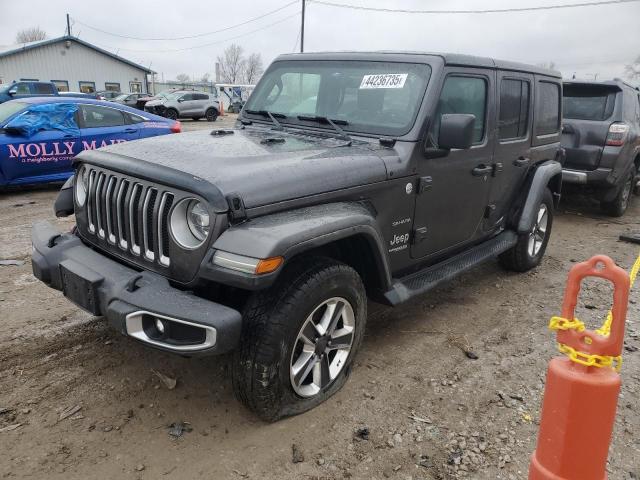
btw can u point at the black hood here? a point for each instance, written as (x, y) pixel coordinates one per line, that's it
(262, 166)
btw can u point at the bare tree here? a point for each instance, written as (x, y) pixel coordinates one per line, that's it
(205, 78)
(32, 34)
(253, 69)
(232, 64)
(632, 71)
(182, 78)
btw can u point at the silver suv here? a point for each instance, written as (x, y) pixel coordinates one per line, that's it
(185, 104)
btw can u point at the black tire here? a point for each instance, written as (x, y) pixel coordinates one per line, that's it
(171, 113)
(272, 322)
(521, 257)
(620, 203)
(211, 115)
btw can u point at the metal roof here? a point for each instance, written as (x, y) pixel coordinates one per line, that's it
(13, 49)
(448, 58)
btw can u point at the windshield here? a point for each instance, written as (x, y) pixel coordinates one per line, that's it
(368, 97)
(8, 109)
(121, 97)
(585, 103)
(173, 96)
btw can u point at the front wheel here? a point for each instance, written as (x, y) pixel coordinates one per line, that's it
(171, 114)
(299, 338)
(211, 114)
(528, 252)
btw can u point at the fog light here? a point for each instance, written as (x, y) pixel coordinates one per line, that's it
(159, 325)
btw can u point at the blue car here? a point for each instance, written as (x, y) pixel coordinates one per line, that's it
(40, 136)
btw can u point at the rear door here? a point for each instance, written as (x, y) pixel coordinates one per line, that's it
(454, 189)
(588, 111)
(512, 151)
(201, 102)
(101, 126)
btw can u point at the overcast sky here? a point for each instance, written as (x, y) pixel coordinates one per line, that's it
(589, 40)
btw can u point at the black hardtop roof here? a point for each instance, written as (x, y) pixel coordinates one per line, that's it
(449, 59)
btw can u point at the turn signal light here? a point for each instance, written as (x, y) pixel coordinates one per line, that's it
(268, 265)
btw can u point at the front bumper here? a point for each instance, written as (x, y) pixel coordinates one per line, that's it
(131, 299)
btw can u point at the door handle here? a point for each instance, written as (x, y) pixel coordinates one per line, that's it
(482, 170)
(130, 130)
(521, 161)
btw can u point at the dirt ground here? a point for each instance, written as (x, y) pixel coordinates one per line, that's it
(430, 412)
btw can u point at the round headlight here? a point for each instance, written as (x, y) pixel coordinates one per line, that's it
(198, 219)
(190, 223)
(82, 185)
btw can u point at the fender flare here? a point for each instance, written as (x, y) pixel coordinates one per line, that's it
(541, 178)
(293, 232)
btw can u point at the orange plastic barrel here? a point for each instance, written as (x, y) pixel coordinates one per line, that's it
(579, 406)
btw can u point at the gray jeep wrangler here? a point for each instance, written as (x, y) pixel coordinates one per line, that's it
(347, 176)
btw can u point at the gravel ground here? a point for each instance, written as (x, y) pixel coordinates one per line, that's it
(88, 403)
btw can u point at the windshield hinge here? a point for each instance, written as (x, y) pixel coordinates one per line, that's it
(387, 141)
(237, 211)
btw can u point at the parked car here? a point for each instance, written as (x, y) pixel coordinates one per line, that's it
(186, 104)
(108, 94)
(601, 136)
(39, 137)
(406, 170)
(16, 90)
(129, 99)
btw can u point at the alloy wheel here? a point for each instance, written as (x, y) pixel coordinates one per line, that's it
(322, 346)
(539, 231)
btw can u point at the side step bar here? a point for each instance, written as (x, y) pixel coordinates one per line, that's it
(420, 282)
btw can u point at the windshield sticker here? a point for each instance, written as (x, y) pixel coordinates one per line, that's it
(384, 80)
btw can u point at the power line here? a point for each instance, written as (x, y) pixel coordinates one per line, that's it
(189, 36)
(495, 10)
(205, 44)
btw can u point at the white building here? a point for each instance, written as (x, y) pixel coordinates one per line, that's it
(73, 65)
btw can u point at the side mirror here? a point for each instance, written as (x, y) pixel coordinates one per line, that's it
(456, 131)
(13, 90)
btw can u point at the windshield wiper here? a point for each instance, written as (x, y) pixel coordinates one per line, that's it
(272, 116)
(334, 123)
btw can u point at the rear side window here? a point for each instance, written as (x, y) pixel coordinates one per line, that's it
(43, 88)
(514, 109)
(94, 116)
(587, 103)
(464, 95)
(200, 96)
(548, 108)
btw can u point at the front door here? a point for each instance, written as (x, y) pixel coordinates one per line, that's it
(512, 152)
(453, 191)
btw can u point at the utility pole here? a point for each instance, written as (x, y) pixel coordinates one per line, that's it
(302, 27)
(68, 26)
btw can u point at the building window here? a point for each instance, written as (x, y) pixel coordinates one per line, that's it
(87, 87)
(61, 85)
(135, 87)
(112, 87)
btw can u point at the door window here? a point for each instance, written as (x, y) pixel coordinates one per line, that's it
(94, 116)
(87, 87)
(43, 89)
(187, 97)
(200, 96)
(514, 109)
(463, 94)
(22, 88)
(548, 108)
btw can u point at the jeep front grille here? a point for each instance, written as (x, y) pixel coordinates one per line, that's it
(130, 215)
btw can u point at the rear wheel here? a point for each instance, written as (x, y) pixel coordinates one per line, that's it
(620, 203)
(528, 252)
(212, 115)
(171, 114)
(299, 338)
